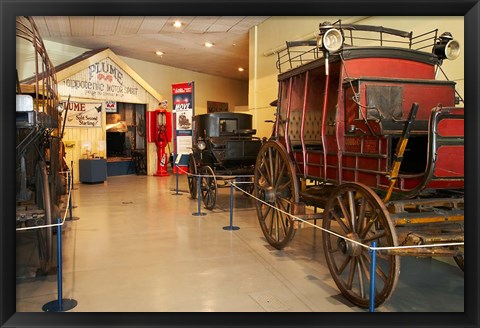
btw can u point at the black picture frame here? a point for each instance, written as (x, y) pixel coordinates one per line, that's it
(470, 9)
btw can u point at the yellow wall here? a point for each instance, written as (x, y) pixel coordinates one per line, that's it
(272, 34)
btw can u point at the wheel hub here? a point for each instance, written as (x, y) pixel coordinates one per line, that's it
(270, 194)
(348, 247)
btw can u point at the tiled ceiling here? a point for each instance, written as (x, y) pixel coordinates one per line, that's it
(140, 37)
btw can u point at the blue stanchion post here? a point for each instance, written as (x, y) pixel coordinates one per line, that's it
(60, 304)
(199, 197)
(71, 165)
(70, 203)
(231, 226)
(176, 182)
(373, 264)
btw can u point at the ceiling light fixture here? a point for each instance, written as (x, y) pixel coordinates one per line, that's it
(159, 53)
(177, 24)
(241, 69)
(209, 44)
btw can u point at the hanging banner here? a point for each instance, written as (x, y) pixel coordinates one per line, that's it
(183, 111)
(83, 115)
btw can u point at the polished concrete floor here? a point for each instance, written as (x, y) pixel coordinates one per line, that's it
(137, 247)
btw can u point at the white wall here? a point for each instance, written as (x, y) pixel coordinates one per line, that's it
(272, 34)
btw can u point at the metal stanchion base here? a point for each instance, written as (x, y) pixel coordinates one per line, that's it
(231, 228)
(180, 190)
(73, 218)
(54, 306)
(177, 194)
(199, 214)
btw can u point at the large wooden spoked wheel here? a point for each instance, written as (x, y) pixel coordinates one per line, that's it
(45, 243)
(275, 183)
(356, 212)
(192, 177)
(209, 187)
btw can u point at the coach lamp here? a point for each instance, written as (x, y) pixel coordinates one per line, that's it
(446, 47)
(329, 40)
(201, 144)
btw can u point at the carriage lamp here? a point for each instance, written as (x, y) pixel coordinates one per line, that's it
(330, 38)
(446, 47)
(201, 144)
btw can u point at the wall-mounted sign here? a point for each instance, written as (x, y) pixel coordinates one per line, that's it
(83, 115)
(110, 106)
(183, 111)
(103, 80)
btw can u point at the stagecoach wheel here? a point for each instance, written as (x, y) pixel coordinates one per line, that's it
(355, 212)
(44, 235)
(192, 179)
(275, 184)
(209, 187)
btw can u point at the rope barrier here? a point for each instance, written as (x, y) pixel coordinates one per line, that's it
(371, 249)
(226, 177)
(60, 304)
(346, 238)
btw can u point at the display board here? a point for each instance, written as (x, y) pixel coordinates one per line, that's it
(83, 115)
(183, 111)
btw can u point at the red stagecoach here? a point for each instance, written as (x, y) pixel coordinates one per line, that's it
(365, 131)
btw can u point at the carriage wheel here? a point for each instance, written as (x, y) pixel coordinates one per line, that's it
(44, 235)
(192, 179)
(276, 184)
(209, 187)
(354, 211)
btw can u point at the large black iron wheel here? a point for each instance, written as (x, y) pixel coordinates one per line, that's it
(356, 212)
(192, 176)
(276, 185)
(209, 187)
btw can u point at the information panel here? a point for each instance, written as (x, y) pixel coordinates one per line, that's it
(183, 111)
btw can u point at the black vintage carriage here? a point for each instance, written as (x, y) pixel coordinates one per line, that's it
(224, 149)
(366, 133)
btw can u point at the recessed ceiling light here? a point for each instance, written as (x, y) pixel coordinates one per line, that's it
(209, 44)
(159, 53)
(241, 69)
(177, 24)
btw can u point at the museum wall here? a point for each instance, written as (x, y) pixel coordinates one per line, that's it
(160, 77)
(271, 35)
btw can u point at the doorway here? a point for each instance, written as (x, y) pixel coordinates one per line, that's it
(126, 142)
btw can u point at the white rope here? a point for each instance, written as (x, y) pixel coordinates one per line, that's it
(226, 177)
(343, 237)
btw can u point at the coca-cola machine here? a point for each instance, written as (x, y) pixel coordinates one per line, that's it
(159, 131)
